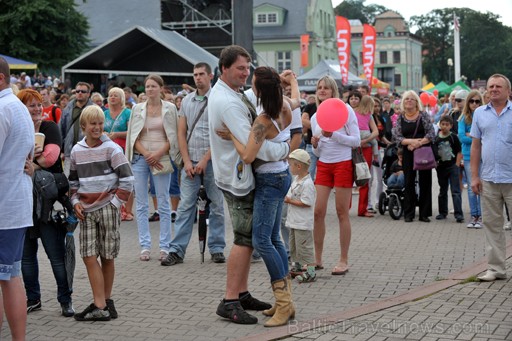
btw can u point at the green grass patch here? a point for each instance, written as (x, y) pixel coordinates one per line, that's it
(469, 280)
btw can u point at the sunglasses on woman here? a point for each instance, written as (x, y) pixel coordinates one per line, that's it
(473, 101)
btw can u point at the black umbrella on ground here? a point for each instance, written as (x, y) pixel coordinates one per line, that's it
(202, 225)
(69, 258)
(70, 222)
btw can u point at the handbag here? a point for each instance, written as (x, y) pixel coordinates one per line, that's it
(423, 156)
(360, 167)
(165, 161)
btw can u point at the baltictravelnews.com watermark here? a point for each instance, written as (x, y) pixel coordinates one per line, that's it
(391, 327)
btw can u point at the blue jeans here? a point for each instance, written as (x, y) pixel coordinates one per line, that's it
(449, 176)
(187, 210)
(314, 159)
(474, 200)
(141, 172)
(52, 238)
(271, 188)
(396, 181)
(174, 188)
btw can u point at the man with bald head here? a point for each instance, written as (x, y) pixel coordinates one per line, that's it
(491, 170)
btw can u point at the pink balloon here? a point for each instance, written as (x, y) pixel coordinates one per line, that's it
(436, 92)
(332, 114)
(432, 100)
(424, 98)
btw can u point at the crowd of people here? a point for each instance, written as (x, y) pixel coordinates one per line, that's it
(261, 152)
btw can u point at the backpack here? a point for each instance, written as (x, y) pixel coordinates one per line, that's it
(45, 194)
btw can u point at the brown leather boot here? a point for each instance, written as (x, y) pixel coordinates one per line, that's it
(284, 305)
(271, 311)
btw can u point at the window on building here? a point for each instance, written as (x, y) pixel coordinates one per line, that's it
(398, 79)
(396, 57)
(266, 18)
(284, 61)
(383, 57)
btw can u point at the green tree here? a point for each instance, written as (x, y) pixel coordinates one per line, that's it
(355, 9)
(485, 43)
(49, 32)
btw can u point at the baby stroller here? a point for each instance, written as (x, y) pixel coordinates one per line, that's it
(392, 198)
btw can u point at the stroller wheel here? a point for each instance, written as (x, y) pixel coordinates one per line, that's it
(395, 207)
(383, 200)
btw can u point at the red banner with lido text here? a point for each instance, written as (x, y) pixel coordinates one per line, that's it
(343, 42)
(369, 40)
(304, 50)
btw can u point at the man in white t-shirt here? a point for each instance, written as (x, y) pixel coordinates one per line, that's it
(16, 151)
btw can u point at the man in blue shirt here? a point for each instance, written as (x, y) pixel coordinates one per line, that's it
(492, 141)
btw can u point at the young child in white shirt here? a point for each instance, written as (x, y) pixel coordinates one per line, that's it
(301, 199)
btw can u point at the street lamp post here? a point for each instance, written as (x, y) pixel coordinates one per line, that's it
(450, 64)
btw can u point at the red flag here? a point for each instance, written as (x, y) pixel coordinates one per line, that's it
(343, 41)
(369, 40)
(456, 24)
(304, 50)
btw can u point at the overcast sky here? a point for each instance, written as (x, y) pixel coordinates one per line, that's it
(407, 9)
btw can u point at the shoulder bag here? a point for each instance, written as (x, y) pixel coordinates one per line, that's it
(360, 169)
(178, 159)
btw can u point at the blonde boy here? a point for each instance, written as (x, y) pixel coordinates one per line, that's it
(100, 181)
(301, 199)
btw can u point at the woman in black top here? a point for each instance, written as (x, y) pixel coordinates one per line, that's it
(52, 234)
(403, 133)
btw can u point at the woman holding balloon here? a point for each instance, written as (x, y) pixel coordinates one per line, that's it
(335, 133)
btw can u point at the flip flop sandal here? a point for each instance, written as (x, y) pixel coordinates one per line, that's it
(319, 267)
(145, 255)
(163, 255)
(337, 272)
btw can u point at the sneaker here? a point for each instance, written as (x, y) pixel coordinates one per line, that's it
(93, 313)
(111, 308)
(173, 216)
(33, 305)
(172, 259)
(308, 276)
(154, 217)
(235, 313)
(440, 217)
(67, 309)
(248, 302)
(478, 223)
(218, 257)
(371, 210)
(459, 219)
(472, 223)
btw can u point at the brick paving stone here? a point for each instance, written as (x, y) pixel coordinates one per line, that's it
(178, 303)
